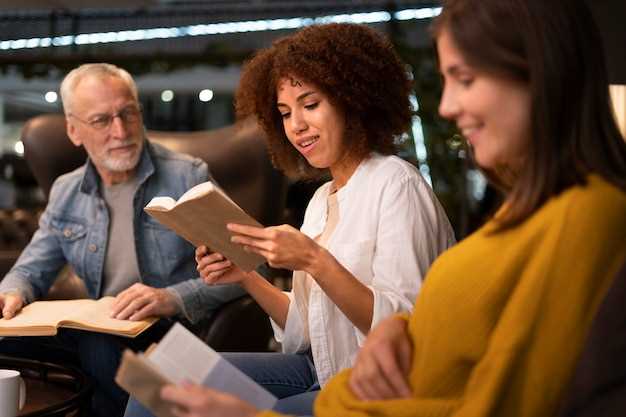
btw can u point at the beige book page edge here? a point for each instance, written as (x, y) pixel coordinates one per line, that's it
(41, 317)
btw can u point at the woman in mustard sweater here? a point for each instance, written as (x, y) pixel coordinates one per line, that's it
(502, 316)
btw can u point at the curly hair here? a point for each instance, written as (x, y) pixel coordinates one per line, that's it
(356, 67)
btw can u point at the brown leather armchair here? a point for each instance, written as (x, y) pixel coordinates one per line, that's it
(598, 387)
(237, 159)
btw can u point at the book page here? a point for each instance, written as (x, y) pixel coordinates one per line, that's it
(197, 191)
(181, 356)
(227, 378)
(165, 203)
(95, 315)
(40, 314)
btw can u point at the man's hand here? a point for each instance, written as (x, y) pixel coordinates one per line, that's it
(141, 301)
(10, 304)
(382, 365)
(197, 401)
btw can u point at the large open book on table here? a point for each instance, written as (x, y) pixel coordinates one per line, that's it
(43, 318)
(200, 215)
(181, 356)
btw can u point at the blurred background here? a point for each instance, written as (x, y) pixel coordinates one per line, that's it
(186, 56)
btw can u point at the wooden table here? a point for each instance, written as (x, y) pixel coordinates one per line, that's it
(51, 389)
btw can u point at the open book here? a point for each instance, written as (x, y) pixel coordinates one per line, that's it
(43, 318)
(181, 356)
(200, 216)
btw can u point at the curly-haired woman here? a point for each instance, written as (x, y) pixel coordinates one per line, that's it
(333, 99)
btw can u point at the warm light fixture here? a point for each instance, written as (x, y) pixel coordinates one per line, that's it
(51, 97)
(618, 96)
(19, 147)
(167, 96)
(205, 95)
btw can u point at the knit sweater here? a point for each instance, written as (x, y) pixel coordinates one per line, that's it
(503, 316)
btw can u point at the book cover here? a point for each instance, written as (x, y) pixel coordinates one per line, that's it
(200, 216)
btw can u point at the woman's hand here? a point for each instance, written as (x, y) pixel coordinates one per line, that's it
(283, 246)
(190, 400)
(383, 363)
(215, 269)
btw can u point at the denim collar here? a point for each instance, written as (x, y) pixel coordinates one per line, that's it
(145, 168)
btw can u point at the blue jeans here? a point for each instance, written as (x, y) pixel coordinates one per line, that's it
(290, 377)
(97, 354)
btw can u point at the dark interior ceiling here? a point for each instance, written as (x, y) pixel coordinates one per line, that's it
(42, 18)
(37, 18)
(58, 16)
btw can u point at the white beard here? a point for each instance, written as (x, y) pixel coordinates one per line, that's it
(122, 164)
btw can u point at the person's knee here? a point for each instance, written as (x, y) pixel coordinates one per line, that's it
(135, 409)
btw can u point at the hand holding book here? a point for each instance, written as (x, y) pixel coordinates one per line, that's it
(179, 357)
(283, 246)
(214, 268)
(202, 401)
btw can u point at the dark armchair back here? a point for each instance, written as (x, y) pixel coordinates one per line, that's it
(48, 151)
(598, 388)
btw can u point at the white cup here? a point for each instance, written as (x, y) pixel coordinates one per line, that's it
(12, 392)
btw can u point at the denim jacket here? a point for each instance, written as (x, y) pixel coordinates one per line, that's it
(74, 229)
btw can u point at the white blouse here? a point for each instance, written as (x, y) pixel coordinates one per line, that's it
(391, 228)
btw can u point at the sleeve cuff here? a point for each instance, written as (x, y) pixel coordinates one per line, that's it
(279, 333)
(13, 284)
(200, 300)
(295, 337)
(384, 306)
(180, 306)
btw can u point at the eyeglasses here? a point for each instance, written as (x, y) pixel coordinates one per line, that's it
(127, 115)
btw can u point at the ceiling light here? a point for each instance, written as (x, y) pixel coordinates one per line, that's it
(19, 147)
(167, 96)
(205, 95)
(51, 97)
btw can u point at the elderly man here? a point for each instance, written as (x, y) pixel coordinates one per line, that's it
(94, 221)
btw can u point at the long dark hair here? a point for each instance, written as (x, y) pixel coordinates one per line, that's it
(555, 48)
